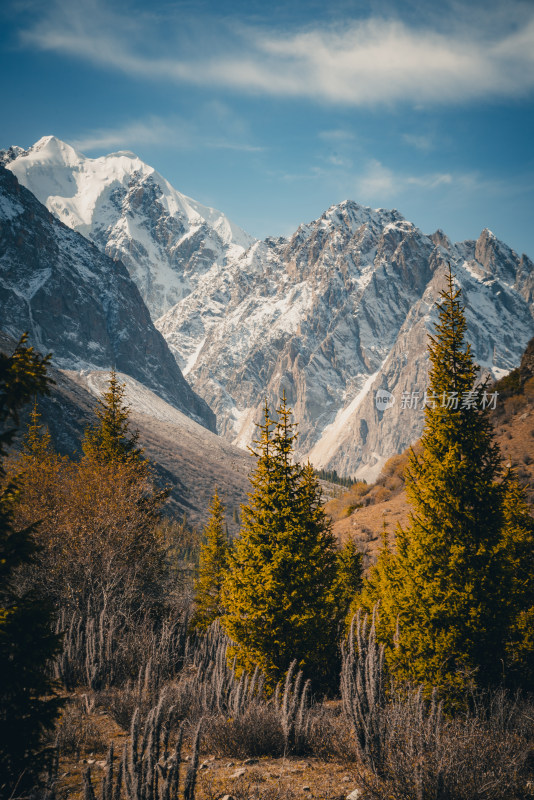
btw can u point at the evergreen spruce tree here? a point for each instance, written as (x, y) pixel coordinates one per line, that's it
(114, 490)
(111, 440)
(280, 595)
(349, 574)
(111, 445)
(28, 705)
(213, 565)
(446, 596)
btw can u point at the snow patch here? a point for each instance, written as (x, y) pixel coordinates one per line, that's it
(332, 434)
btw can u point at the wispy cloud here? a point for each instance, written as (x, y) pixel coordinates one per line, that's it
(380, 183)
(153, 130)
(175, 133)
(419, 141)
(359, 62)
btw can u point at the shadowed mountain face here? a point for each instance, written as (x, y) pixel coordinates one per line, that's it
(77, 303)
(331, 315)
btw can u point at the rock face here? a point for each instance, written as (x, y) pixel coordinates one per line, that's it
(330, 315)
(335, 313)
(79, 304)
(165, 239)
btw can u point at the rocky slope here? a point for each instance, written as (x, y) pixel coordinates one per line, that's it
(78, 303)
(330, 315)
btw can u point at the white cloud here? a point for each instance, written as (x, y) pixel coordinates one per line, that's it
(377, 182)
(359, 62)
(150, 131)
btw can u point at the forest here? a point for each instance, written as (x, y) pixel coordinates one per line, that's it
(139, 662)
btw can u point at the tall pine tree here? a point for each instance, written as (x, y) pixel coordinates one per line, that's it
(280, 593)
(446, 596)
(111, 439)
(213, 566)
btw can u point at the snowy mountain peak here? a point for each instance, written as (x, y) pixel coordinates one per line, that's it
(329, 315)
(51, 150)
(165, 239)
(351, 216)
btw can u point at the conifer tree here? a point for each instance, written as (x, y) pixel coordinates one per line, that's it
(213, 566)
(115, 491)
(446, 596)
(349, 574)
(111, 443)
(111, 440)
(280, 591)
(28, 705)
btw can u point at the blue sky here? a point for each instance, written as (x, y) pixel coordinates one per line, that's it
(272, 112)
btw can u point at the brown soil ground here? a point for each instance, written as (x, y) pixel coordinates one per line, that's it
(265, 778)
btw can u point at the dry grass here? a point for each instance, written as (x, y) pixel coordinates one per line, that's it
(514, 429)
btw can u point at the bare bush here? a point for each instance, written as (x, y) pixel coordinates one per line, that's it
(255, 732)
(481, 755)
(293, 709)
(149, 768)
(363, 687)
(77, 733)
(329, 735)
(103, 648)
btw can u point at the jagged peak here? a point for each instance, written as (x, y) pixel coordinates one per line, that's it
(11, 153)
(440, 239)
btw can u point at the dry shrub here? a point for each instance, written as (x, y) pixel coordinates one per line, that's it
(103, 648)
(186, 695)
(409, 750)
(389, 483)
(337, 507)
(485, 754)
(393, 471)
(77, 733)
(256, 732)
(380, 494)
(329, 736)
(259, 732)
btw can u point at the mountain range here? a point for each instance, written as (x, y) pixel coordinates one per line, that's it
(330, 315)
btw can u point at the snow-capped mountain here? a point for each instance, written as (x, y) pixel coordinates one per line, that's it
(330, 315)
(76, 302)
(165, 239)
(336, 312)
